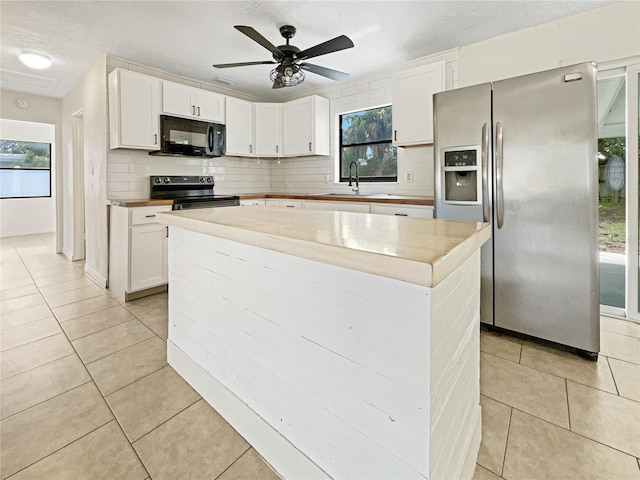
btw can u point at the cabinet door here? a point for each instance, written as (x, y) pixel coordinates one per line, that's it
(209, 106)
(148, 256)
(133, 110)
(402, 210)
(176, 99)
(266, 121)
(239, 127)
(413, 104)
(297, 117)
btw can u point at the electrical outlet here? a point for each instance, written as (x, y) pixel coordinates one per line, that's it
(286, 181)
(410, 177)
(326, 180)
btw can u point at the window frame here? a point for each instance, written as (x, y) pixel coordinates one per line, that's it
(345, 179)
(13, 169)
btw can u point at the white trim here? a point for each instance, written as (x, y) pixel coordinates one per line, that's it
(95, 276)
(633, 129)
(612, 311)
(286, 459)
(78, 241)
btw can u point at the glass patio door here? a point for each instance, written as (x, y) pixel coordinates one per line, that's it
(618, 161)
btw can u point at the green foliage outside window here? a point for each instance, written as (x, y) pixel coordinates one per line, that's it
(365, 138)
(17, 154)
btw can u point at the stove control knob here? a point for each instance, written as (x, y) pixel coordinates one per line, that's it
(156, 180)
(166, 180)
(209, 179)
(201, 179)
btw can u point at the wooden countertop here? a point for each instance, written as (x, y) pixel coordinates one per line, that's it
(347, 197)
(415, 250)
(139, 203)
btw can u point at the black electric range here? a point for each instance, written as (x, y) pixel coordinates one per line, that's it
(189, 191)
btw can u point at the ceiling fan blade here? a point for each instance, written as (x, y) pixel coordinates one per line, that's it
(242, 64)
(336, 44)
(324, 71)
(256, 37)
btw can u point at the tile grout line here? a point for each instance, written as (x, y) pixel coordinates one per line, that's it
(57, 450)
(566, 391)
(38, 366)
(615, 384)
(170, 418)
(506, 443)
(233, 463)
(564, 378)
(114, 417)
(115, 351)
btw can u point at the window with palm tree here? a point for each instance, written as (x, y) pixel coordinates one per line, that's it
(365, 138)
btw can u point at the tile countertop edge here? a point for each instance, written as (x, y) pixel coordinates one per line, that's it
(403, 268)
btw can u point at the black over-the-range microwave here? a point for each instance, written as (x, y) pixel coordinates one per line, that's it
(193, 138)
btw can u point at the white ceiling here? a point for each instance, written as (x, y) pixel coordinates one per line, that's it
(187, 37)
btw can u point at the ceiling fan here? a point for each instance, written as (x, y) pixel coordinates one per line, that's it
(289, 72)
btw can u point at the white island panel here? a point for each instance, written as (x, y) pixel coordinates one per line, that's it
(325, 370)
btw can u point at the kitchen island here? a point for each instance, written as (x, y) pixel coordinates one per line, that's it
(340, 345)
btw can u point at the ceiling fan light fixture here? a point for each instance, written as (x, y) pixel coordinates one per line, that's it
(35, 60)
(287, 75)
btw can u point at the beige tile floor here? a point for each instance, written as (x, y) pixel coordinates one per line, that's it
(86, 392)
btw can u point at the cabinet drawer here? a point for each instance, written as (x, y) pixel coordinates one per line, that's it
(338, 206)
(403, 211)
(142, 215)
(291, 203)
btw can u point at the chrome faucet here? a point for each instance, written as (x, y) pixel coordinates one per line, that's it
(356, 187)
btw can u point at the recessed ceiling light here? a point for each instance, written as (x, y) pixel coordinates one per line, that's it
(35, 60)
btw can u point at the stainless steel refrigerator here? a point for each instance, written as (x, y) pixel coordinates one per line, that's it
(521, 153)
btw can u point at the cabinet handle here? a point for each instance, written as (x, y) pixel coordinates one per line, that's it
(290, 206)
(155, 138)
(193, 109)
(198, 111)
(167, 233)
(277, 149)
(395, 135)
(309, 146)
(150, 216)
(401, 214)
(250, 148)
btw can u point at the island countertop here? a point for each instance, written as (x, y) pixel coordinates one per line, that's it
(415, 250)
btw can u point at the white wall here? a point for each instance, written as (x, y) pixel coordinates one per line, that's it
(42, 110)
(90, 97)
(601, 35)
(128, 170)
(24, 216)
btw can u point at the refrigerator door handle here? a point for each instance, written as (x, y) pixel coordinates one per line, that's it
(499, 190)
(485, 173)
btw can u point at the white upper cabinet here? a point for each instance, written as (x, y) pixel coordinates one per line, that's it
(134, 108)
(305, 126)
(267, 131)
(185, 101)
(239, 127)
(413, 104)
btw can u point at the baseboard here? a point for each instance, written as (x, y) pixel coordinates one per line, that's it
(95, 276)
(281, 454)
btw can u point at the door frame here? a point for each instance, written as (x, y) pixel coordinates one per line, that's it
(630, 68)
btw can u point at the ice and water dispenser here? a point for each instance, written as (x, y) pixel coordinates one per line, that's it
(461, 175)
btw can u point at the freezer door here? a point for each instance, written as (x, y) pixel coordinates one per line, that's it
(462, 120)
(545, 219)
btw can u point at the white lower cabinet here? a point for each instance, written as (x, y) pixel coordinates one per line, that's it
(403, 210)
(256, 201)
(284, 203)
(137, 251)
(338, 206)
